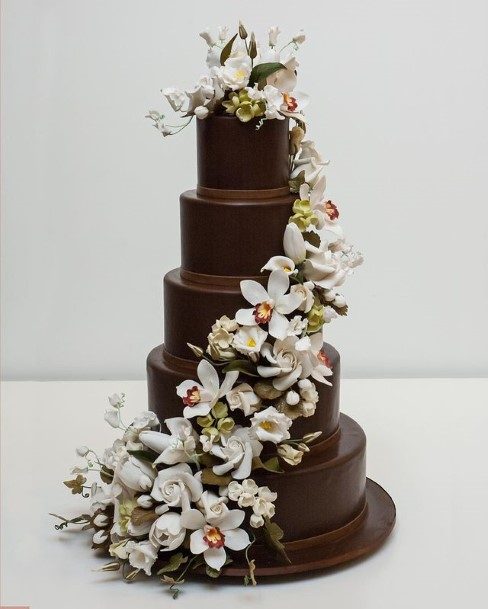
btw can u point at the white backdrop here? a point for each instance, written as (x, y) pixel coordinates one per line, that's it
(90, 191)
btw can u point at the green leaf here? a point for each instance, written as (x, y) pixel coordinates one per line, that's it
(214, 573)
(208, 477)
(144, 455)
(271, 465)
(312, 238)
(242, 365)
(273, 534)
(227, 50)
(106, 475)
(266, 391)
(173, 564)
(263, 70)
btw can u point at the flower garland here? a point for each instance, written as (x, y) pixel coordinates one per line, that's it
(169, 501)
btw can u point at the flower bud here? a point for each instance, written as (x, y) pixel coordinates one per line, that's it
(242, 31)
(253, 51)
(310, 437)
(145, 501)
(296, 137)
(292, 398)
(100, 520)
(82, 451)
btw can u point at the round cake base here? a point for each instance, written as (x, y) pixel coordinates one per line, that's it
(377, 524)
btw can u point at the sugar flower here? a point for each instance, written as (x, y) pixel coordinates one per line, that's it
(176, 447)
(242, 397)
(270, 306)
(167, 532)
(199, 398)
(177, 487)
(237, 452)
(271, 425)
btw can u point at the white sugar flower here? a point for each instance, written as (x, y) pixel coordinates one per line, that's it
(283, 363)
(223, 33)
(309, 397)
(323, 267)
(273, 34)
(285, 79)
(304, 290)
(236, 71)
(176, 447)
(274, 102)
(237, 451)
(282, 263)
(82, 451)
(249, 340)
(116, 400)
(256, 521)
(213, 507)
(326, 211)
(166, 532)
(290, 455)
(299, 38)
(296, 326)
(270, 306)
(314, 361)
(113, 418)
(177, 486)
(134, 474)
(271, 425)
(143, 556)
(309, 161)
(175, 97)
(145, 420)
(112, 455)
(208, 37)
(199, 398)
(211, 539)
(242, 397)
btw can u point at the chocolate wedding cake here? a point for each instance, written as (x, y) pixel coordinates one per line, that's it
(231, 225)
(243, 465)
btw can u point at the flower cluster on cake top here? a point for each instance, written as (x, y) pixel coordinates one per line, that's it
(190, 493)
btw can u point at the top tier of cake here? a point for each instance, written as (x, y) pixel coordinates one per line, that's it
(236, 156)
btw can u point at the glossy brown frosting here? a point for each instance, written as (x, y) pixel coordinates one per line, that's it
(230, 227)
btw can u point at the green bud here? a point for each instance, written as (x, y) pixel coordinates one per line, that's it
(206, 421)
(315, 317)
(242, 31)
(226, 425)
(211, 432)
(304, 216)
(220, 410)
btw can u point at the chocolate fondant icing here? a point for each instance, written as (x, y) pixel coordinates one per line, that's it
(230, 227)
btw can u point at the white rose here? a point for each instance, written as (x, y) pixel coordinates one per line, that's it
(236, 71)
(283, 363)
(167, 532)
(237, 452)
(243, 398)
(214, 507)
(271, 425)
(143, 555)
(177, 486)
(305, 291)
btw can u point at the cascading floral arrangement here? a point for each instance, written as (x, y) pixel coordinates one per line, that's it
(184, 500)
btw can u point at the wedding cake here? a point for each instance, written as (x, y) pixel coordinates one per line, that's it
(244, 465)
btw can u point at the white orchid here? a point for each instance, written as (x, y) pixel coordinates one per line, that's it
(236, 451)
(326, 211)
(271, 425)
(176, 487)
(285, 79)
(166, 532)
(274, 102)
(143, 556)
(270, 306)
(283, 363)
(282, 263)
(249, 340)
(176, 447)
(211, 539)
(242, 397)
(199, 398)
(313, 360)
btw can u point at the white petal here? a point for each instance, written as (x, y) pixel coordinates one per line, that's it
(279, 263)
(215, 557)
(253, 291)
(208, 376)
(244, 469)
(278, 325)
(283, 383)
(155, 440)
(278, 283)
(294, 243)
(183, 387)
(237, 539)
(289, 303)
(176, 424)
(192, 519)
(197, 543)
(245, 317)
(228, 382)
(199, 410)
(231, 520)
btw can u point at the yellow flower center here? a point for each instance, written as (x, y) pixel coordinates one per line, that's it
(239, 74)
(266, 425)
(287, 269)
(251, 342)
(214, 537)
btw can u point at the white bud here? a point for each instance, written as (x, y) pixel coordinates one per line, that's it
(207, 36)
(145, 501)
(256, 521)
(339, 301)
(201, 112)
(81, 451)
(299, 38)
(100, 520)
(292, 398)
(115, 400)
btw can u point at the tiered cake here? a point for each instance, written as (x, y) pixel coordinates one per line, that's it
(230, 227)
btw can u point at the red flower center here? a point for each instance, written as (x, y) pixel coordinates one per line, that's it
(331, 210)
(291, 102)
(324, 359)
(214, 538)
(192, 397)
(262, 312)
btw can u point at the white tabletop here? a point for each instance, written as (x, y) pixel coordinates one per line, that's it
(426, 446)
